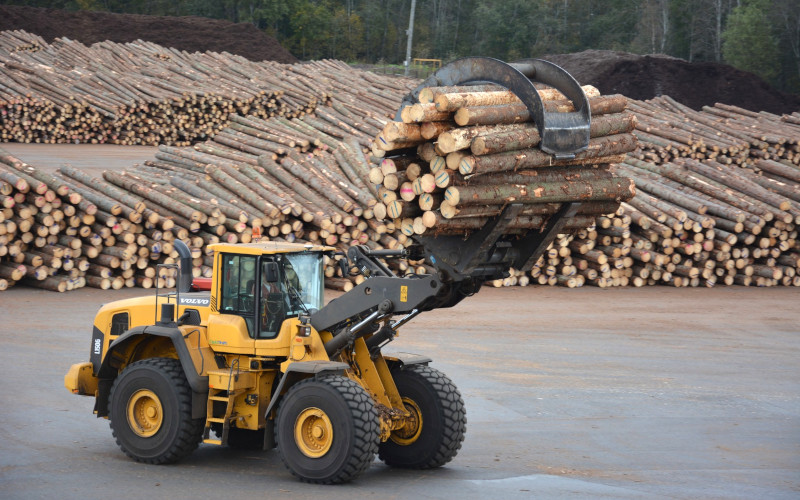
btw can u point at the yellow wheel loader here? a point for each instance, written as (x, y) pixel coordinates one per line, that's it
(259, 360)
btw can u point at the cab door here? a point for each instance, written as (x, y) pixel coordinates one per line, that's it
(235, 327)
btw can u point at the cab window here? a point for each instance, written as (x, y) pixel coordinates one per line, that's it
(238, 287)
(119, 323)
(273, 302)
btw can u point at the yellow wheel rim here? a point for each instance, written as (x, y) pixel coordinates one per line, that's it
(412, 429)
(313, 432)
(145, 413)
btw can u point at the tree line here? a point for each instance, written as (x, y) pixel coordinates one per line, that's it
(761, 36)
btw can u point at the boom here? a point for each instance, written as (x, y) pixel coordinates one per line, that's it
(462, 265)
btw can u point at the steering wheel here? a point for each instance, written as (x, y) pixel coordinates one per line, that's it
(248, 303)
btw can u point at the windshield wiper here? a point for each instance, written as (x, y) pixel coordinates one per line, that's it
(296, 295)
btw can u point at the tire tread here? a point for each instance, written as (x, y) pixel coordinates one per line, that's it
(453, 414)
(190, 430)
(366, 430)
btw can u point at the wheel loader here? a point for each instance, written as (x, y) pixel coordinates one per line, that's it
(259, 361)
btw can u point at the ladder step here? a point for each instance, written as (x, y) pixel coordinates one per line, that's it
(218, 398)
(219, 420)
(213, 441)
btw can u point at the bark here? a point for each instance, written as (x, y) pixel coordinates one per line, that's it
(516, 113)
(600, 150)
(621, 189)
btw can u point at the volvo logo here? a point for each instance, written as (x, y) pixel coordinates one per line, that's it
(195, 301)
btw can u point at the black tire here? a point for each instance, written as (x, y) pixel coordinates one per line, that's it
(433, 396)
(342, 412)
(168, 432)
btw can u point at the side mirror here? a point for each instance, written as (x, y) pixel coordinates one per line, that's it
(271, 269)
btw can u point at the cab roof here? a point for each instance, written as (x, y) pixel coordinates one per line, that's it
(268, 248)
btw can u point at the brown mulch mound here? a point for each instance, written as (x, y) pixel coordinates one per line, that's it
(693, 84)
(192, 34)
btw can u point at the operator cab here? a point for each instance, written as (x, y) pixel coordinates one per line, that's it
(267, 283)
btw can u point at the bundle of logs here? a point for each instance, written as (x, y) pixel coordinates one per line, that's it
(143, 93)
(476, 151)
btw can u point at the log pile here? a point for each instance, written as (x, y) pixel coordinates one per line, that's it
(299, 180)
(40, 224)
(143, 93)
(716, 203)
(722, 185)
(717, 190)
(726, 134)
(292, 177)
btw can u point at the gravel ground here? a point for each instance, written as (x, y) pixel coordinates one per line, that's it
(587, 393)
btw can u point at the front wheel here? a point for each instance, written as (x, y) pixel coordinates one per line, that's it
(435, 431)
(327, 430)
(151, 412)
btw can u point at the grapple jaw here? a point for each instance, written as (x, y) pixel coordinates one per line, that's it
(563, 134)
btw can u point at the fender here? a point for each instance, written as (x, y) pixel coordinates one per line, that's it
(108, 372)
(401, 359)
(311, 367)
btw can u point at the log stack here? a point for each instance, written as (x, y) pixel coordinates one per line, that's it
(40, 222)
(721, 185)
(292, 177)
(143, 93)
(293, 183)
(716, 203)
(321, 161)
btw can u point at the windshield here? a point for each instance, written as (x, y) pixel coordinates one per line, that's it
(304, 272)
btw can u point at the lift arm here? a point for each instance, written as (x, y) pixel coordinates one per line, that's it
(462, 264)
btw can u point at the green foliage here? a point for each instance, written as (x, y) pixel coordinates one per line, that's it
(508, 30)
(748, 42)
(347, 35)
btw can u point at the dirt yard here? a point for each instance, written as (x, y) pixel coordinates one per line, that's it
(586, 393)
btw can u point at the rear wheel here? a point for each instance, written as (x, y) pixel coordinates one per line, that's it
(151, 412)
(327, 430)
(435, 431)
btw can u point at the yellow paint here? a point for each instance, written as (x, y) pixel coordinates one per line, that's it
(412, 427)
(373, 375)
(309, 348)
(232, 379)
(228, 333)
(80, 380)
(266, 248)
(313, 432)
(145, 413)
